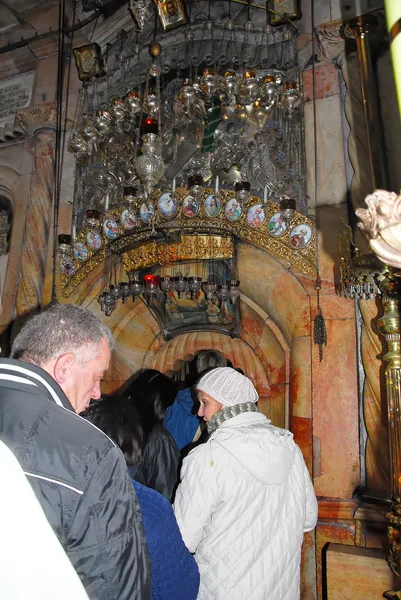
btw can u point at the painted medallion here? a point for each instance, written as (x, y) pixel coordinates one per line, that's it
(233, 210)
(300, 236)
(256, 216)
(146, 212)
(190, 206)
(67, 265)
(128, 219)
(94, 240)
(80, 251)
(277, 226)
(167, 205)
(110, 228)
(212, 206)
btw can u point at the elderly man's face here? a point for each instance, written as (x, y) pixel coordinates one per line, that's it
(80, 379)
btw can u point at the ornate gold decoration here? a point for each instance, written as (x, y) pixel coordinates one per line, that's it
(359, 274)
(191, 247)
(389, 326)
(89, 61)
(302, 259)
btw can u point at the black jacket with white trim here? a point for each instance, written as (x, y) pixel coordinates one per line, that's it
(81, 481)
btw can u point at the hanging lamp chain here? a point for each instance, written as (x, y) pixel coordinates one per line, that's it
(319, 325)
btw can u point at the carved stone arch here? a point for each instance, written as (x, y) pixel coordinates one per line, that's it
(236, 350)
(261, 352)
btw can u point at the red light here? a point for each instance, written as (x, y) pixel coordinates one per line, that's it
(151, 279)
(149, 125)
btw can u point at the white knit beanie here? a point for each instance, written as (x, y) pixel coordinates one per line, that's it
(227, 386)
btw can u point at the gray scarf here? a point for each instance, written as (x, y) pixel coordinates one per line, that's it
(228, 412)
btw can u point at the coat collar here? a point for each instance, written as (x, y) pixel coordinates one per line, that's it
(22, 372)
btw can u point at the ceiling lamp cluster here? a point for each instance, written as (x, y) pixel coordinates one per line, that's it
(154, 288)
(229, 115)
(134, 127)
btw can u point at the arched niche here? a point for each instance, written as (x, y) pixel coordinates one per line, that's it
(275, 326)
(259, 353)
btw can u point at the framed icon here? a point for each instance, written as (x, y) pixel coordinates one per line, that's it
(146, 213)
(89, 61)
(67, 266)
(94, 240)
(282, 11)
(171, 13)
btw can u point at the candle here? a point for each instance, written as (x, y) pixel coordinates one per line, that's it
(216, 186)
(74, 231)
(106, 202)
(151, 280)
(393, 17)
(173, 186)
(265, 195)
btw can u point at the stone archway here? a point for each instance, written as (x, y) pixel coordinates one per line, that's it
(261, 352)
(185, 346)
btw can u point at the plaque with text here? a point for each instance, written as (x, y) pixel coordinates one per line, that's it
(15, 93)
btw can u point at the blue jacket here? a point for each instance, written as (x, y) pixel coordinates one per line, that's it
(180, 421)
(175, 574)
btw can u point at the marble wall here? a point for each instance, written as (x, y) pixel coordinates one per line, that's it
(317, 400)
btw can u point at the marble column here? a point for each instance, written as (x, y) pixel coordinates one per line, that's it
(332, 51)
(39, 123)
(377, 467)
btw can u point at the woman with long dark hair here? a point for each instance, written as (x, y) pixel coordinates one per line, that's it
(175, 575)
(151, 392)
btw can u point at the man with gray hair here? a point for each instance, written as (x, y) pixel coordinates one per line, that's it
(77, 472)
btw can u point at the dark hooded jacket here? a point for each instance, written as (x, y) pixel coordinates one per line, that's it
(81, 481)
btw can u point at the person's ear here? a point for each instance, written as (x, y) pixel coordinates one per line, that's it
(62, 367)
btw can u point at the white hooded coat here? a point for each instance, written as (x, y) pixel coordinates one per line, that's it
(243, 505)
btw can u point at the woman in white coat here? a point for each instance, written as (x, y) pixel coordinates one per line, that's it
(245, 497)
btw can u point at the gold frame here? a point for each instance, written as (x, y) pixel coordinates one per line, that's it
(302, 259)
(87, 56)
(190, 247)
(282, 11)
(165, 18)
